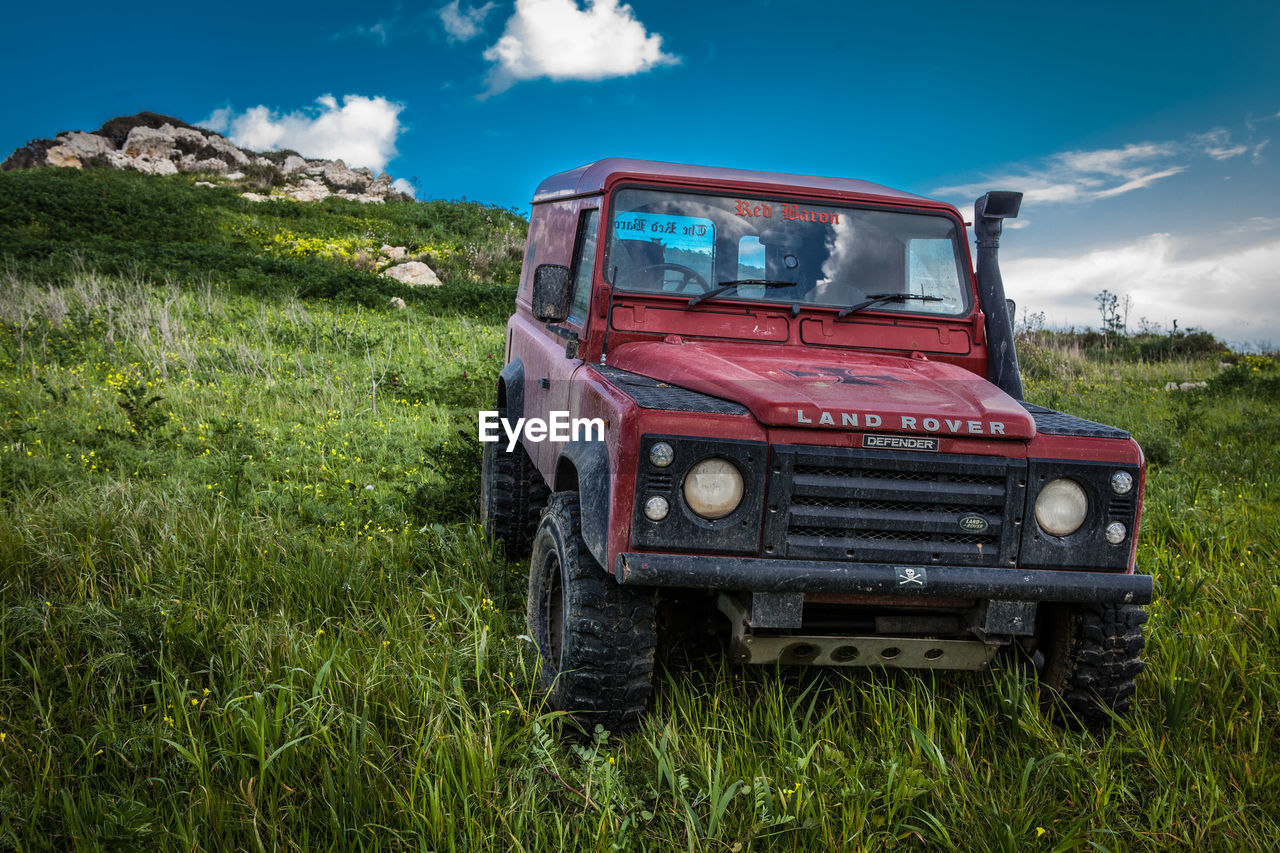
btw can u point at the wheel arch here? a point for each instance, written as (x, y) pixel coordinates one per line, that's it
(583, 467)
(511, 390)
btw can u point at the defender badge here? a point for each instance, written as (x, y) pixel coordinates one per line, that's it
(973, 523)
(910, 576)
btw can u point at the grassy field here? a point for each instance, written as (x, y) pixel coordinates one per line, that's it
(245, 604)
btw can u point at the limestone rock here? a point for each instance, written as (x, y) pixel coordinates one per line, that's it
(309, 190)
(162, 145)
(61, 155)
(149, 143)
(188, 133)
(86, 145)
(414, 274)
(149, 150)
(395, 253)
(398, 303)
(210, 165)
(337, 174)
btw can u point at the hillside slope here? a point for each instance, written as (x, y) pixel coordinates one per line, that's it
(57, 222)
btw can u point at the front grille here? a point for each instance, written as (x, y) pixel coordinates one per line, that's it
(893, 506)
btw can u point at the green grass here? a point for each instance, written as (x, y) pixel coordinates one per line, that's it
(244, 604)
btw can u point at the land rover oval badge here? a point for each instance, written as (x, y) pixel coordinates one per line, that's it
(973, 523)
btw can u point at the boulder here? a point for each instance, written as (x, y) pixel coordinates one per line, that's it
(398, 303)
(226, 150)
(210, 165)
(149, 165)
(85, 145)
(149, 143)
(188, 133)
(414, 274)
(395, 253)
(309, 190)
(293, 163)
(61, 155)
(149, 150)
(337, 174)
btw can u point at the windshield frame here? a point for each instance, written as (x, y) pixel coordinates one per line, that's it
(775, 196)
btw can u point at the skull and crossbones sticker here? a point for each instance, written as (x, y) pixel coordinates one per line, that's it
(911, 576)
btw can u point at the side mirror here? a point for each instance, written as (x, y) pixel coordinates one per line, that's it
(552, 293)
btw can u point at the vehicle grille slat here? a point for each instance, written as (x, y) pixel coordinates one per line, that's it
(900, 506)
(873, 489)
(936, 522)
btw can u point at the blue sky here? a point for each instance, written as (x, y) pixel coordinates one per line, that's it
(1141, 132)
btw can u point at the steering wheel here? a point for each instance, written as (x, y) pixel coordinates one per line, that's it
(691, 276)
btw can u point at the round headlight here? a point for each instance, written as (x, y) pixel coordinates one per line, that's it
(1115, 533)
(1061, 507)
(713, 488)
(661, 454)
(1121, 482)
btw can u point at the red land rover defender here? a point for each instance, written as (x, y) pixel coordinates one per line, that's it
(795, 394)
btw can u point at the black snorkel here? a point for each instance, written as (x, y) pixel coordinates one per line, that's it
(1002, 358)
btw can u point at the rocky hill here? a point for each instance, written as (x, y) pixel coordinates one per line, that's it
(162, 145)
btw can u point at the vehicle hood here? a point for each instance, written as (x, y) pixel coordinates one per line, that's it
(826, 389)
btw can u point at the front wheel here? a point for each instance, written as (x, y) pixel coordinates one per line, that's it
(595, 637)
(1092, 654)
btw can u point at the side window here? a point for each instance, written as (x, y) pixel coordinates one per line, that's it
(584, 264)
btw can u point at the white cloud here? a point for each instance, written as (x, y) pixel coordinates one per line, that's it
(1084, 176)
(1234, 294)
(400, 185)
(218, 120)
(464, 24)
(559, 40)
(1217, 144)
(361, 132)
(1077, 177)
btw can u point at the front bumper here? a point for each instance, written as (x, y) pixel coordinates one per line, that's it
(751, 574)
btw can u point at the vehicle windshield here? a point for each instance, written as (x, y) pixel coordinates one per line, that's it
(790, 252)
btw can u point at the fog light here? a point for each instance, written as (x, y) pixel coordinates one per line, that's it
(656, 508)
(1116, 532)
(1121, 482)
(661, 455)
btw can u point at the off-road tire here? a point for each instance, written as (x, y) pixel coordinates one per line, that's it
(1092, 654)
(512, 495)
(595, 638)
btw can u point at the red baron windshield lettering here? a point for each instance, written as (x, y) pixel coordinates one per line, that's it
(789, 212)
(746, 208)
(952, 426)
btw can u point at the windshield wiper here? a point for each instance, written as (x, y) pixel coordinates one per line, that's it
(726, 286)
(877, 298)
